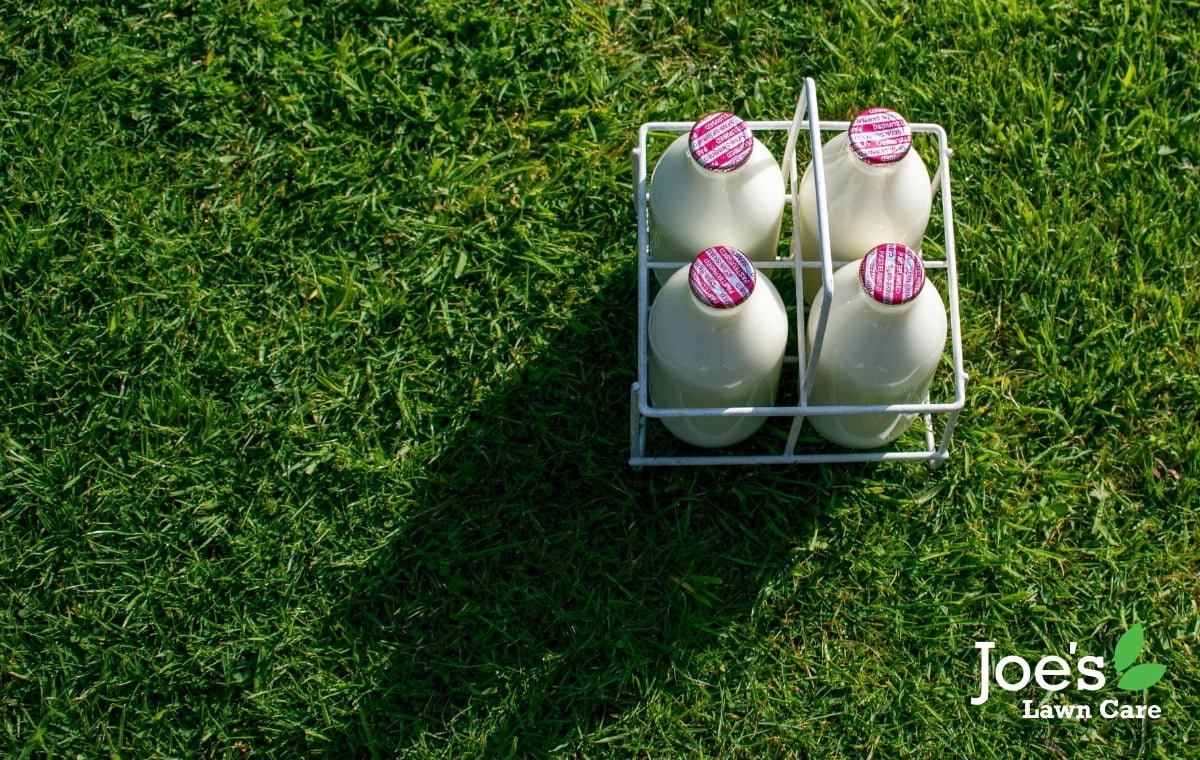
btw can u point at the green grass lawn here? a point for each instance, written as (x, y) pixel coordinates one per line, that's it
(317, 330)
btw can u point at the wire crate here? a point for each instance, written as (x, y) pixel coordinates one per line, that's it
(943, 414)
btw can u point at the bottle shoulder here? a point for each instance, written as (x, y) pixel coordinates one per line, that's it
(679, 327)
(677, 171)
(854, 311)
(843, 166)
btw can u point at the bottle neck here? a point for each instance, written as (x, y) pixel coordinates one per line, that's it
(713, 313)
(860, 164)
(890, 310)
(709, 175)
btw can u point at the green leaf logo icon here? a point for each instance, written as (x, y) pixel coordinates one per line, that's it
(1129, 648)
(1141, 677)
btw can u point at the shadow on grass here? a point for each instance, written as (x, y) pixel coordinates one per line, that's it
(538, 589)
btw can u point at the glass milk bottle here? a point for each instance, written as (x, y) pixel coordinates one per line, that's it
(716, 333)
(716, 185)
(877, 190)
(883, 342)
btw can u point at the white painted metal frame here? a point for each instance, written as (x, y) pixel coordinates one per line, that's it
(936, 449)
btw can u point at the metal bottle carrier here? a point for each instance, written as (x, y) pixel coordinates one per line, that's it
(936, 447)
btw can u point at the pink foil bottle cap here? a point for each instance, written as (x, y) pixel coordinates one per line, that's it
(892, 274)
(880, 136)
(722, 277)
(721, 142)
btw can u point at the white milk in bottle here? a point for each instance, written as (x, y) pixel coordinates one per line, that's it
(877, 190)
(716, 185)
(883, 342)
(717, 333)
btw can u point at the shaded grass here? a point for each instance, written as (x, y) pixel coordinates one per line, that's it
(315, 348)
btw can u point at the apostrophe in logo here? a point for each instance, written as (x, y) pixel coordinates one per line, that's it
(1129, 648)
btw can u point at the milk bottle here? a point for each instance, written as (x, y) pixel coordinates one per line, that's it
(877, 191)
(716, 185)
(883, 342)
(716, 333)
